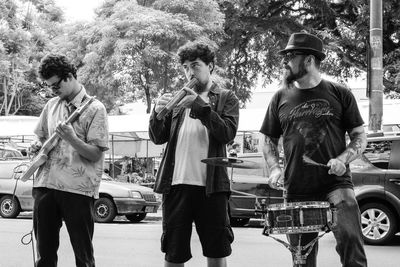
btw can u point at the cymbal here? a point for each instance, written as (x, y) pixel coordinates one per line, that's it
(231, 162)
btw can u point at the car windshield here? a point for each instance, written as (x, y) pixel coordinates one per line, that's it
(8, 152)
(106, 177)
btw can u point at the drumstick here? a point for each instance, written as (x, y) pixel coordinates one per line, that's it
(309, 161)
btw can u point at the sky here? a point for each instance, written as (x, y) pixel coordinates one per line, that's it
(78, 10)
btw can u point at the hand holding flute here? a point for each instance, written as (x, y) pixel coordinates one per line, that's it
(184, 97)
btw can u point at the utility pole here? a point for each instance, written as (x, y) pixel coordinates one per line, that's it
(375, 72)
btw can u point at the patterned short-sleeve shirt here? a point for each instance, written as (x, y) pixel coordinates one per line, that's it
(65, 169)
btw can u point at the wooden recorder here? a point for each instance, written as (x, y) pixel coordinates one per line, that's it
(176, 99)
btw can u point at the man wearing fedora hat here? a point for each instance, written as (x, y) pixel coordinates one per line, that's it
(312, 115)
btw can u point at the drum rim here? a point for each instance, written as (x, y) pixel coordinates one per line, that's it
(303, 204)
(297, 229)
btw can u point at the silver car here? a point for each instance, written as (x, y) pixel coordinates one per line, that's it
(116, 198)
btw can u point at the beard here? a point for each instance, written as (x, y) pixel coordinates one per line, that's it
(200, 87)
(289, 77)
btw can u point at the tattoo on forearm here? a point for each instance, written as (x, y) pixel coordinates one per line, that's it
(271, 152)
(354, 149)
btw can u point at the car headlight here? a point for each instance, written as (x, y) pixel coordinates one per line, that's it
(135, 194)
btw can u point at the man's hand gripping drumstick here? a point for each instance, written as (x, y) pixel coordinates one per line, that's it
(271, 155)
(337, 166)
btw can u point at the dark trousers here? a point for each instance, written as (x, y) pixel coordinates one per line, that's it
(347, 232)
(51, 207)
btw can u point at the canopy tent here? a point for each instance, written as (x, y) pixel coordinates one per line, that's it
(128, 133)
(249, 120)
(133, 126)
(129, 128)
(17, 125)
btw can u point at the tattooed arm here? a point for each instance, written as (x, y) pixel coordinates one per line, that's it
(271, 152)
(358, 142)
(271, 156)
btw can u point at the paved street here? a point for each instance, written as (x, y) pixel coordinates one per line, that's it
(123, 244)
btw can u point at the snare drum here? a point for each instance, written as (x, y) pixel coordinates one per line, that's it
(298, 217)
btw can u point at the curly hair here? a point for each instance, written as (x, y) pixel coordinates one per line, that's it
(193, 50)
(56, 64)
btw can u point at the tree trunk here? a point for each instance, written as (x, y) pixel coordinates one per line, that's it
(148, 99)
(11, 102)
(5, 103)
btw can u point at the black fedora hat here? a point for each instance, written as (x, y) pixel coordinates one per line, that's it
(306, 43)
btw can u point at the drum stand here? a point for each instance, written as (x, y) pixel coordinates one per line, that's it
(299, 259)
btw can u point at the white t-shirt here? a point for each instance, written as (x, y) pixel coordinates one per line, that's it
(191, 147)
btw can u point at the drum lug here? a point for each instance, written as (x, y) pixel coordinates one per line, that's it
(333, 214)
(301, 217)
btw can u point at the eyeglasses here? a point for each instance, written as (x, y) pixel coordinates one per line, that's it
(56, 85)
(291, 55)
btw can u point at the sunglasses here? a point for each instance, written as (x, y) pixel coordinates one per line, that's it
(291, 55)
(56, 85)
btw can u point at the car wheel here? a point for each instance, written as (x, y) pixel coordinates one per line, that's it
(377, 223)
(136, 217)
(104, 210)
(9, 207)
(239, 222)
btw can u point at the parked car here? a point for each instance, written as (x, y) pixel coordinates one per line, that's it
(120, 198)
(7, 151)
(376, 178)
(15, 196)
(249, 190)
(116, 198)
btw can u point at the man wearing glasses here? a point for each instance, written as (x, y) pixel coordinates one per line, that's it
(67, 183)
(312, 115)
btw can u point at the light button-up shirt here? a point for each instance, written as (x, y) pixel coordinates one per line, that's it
(65, 169)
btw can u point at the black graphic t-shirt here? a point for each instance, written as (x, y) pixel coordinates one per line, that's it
(313, 123)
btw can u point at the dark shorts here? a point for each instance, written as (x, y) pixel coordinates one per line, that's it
(186, 204)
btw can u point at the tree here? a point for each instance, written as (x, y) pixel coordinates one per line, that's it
(258, 29)
(22, 42)
(130, 50)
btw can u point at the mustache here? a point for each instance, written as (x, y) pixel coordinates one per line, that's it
(199, 87)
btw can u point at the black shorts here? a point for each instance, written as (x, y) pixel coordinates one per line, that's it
(186, 204)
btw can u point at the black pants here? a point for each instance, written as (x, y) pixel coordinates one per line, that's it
(51, 207)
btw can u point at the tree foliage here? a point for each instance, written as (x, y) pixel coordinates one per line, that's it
(22, 43)
(256, 30)
(128, 53)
